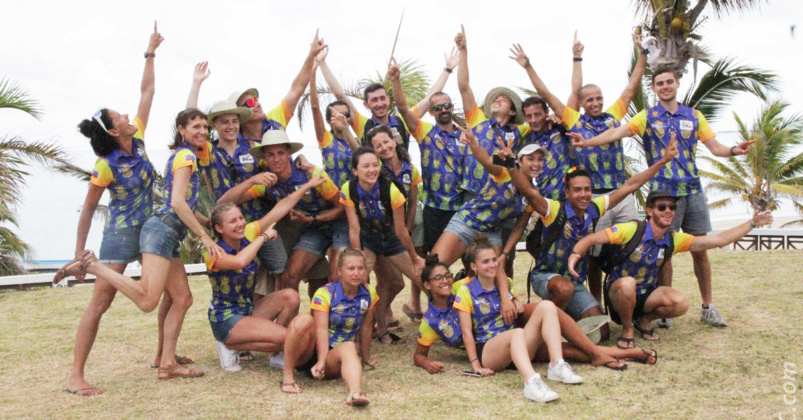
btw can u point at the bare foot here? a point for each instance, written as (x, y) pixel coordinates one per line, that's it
(357, 399)
(290, 388)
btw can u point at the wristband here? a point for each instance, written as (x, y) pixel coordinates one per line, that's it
(147, 54)
(447, 69)
(752, 225)
(577, 59)
(644, 52)
(733, 154)
(472, 361)
(264, 235)
(505, 254)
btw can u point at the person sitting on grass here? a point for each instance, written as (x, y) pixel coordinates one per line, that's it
(323, 344)
(633, 296)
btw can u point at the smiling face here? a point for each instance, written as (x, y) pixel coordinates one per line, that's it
(121, 124)
(231, 225)
(227, 126)
(384, 145)
(532, 164)
(591, 100)
(277, 157)
(535, 115)
(578, 192)
(665, 86)
(352, 270)
(502, 107)
(367, 169)
(258, 113)
(444, 116)
(195, 132)
(378, 103)
(485, 264)
(662, 219)
(439, 282)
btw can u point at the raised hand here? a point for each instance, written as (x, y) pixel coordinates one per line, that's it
(577, 46)
(271, 232)
(322, 55)
(519, 56)
(460, 39)
(467, 137)
(156, 40)
(637, 37)
(506, 148)
(762, 218)
(316, 46)
(577, 139)
(339, 122)
(671, 151)
(742, 148)
(453, 59)
(201, 72)
(393, 70)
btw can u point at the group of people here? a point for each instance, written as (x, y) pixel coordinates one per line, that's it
(280, 220)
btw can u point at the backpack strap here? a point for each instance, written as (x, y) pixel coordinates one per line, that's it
(632, 244)
(670, 249)
(384, 195)
(354, 195)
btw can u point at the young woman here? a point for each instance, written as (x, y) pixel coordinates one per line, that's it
(124, 169)
(162, 268)
(236, 322)
(375, 212)
(491, 343)
(323, 344)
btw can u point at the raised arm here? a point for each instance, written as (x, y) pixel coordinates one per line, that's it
(577, 73)
(315, 107)
(463, 86)
(702, 243)
(718, 149)
(148, 85)
(200, 74)
(334, 85)
(636, 181)
(520, 57)
(468, 138)
(451, 61)
(410, 118)
(638, 73)
(246, 255)
(523, 184)
(302, 79)
(340, 124)
(608, 136)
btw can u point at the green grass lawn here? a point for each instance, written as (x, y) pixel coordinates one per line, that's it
(702, 372)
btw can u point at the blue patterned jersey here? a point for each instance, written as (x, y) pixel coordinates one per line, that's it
(336, 155)
(345, 313)
(440, 324)
(182, 157)
(443, 165)
(485, 307)
(232, 290)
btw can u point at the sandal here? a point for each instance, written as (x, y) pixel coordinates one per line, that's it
(646, 332)
(76, 266)
(413, 315)
(85, 392)
(394, 339)
(179, 371)
(246, 356)
(623, 366)
(182, 360)
(296, 389)
(357, 399)
(628, 343)
(651, 354)
(395, 326)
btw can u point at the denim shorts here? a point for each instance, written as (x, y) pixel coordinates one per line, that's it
(582, 300)
(162, 235)
(273, 256)
(386, 245)
(638, 310)
(692, 215)
(222, 330)
(317, 239)
(417, 233)
(467, 234)
(120, 246)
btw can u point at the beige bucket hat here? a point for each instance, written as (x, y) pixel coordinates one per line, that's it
(503, 91)
(228, 107)
(272, 138)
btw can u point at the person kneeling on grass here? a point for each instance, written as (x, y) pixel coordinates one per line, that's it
(235, 326)
(498, 343)
(632, 293)
(323, 344)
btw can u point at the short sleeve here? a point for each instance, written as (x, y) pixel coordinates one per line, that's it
(396, 197)
(426, 335)
(638, 124)
(209, 261)
(359, 125)
(416, 177)
(503, 177)
(102, 174)
(281, 114)
(682, 241)
(456, 285)
(621, 233)
(374, 296)
(183, 158)
(570, 117)
(326, 141)
(475, 117)
(462, 302)
(704, 131)
(257, 191)
(321, 300)
(524, 129)
(252, 230)
(618, 109)
(602, 203)
(421, 130)
(328, 189)
(553, 207)
(344, 195)
(140, 134)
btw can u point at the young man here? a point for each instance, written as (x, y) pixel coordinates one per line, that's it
(632, 293)
(655, 126)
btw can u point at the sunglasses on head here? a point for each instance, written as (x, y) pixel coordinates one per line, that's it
(96, 117)
(438, 108)
(250, 103)
(442, 277)
(664, 206)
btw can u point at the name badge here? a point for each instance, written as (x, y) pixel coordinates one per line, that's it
(660, 253)
(406, 179)
(246, 159)
(395, 132)
(509, 136)
(686, 125)
(363, 305)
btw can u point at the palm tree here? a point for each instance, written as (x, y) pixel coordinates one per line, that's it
(769, 171)
(14, 154)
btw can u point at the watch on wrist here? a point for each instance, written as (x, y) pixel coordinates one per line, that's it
(644, 52)
(147, 54)
(577, 58)
(447, 69)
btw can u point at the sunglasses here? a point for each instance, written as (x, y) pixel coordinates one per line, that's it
(442, 277)
(96, 117)
(250, 103)
(663, 207)
(438, 108)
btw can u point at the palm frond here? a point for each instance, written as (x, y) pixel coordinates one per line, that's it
(12, 96)
(720, 204)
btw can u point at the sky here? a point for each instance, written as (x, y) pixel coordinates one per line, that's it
(76, 57)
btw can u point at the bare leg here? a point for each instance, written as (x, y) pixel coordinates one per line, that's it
(387, 287)
(299, 346)
(280, 307)
(702, 270)
(560, 291)
(595, 279)
(298, 265)
(179, 291)
(343, 361)
(449, 248)
(414, 302)
(623, 298)
(506, 347)
(164, 307)
(146, 293)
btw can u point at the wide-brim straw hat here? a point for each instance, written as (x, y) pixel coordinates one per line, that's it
(235, 96)
(503, 91)
(272, 138)
(228, 107)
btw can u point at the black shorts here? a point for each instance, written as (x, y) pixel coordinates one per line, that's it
(638, 310)
(435, 221)
(481, 346)
(307, 367)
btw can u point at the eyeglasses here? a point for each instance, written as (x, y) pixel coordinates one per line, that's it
(96, 117)
(442, 277)
(251, 102)
(438, 108)
(663, 207)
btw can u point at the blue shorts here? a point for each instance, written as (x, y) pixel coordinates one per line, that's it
(222, 330)
(317, 239)
(386, 245)
(273, 256)
(120, 246)
(162, 235)
(467, 234)
(582, 300)
(692, 215)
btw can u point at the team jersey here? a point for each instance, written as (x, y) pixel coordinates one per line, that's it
(336, 155)
(443, 165)
(559, 157)
(647, 259)
(485, 307)
(275, 119)
(345, 313)
(605, 163)
(493, 205)
(655, 126)
(556, 258)
(314, 202)
(185, 156)
(225, 171)
(362, 124)
(440, 324)
(372, 211)
(487, 131)
(129, 179)
(232, 290)
(408, 176)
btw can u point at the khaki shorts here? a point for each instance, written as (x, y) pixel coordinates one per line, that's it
(417, 234)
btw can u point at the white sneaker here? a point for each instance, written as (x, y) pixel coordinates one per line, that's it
(712, 316)
(536, 390)
(229, 359)
(277, 360)
(562, 372)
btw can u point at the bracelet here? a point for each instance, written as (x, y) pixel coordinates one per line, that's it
(644, 52)
(147, 54)
(472, 361)
(505, 254)
(752, 225)
(733, 154)
(264, 235)
(577, 59)
(447, 69)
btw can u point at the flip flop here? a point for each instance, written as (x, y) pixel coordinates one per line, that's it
(653, 354)
(628, 342)
(357, 399)
(608, 364)
(645, 332)
(413, 315)
(282, 385)
(67, 269)
(79, 391)
(182, 360)
(394, 339)
(173, 372)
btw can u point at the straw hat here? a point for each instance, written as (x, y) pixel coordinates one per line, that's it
(235, 96)
(271, 138)
(228, 107)
(503, 91)
(591, 326)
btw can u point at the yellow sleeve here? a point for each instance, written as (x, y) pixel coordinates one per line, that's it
(102, 174)
(426, 335)
(416, 177)
(618, 109)
(475, 117)
(621, 233)
(704, 131)
(252, 230)
(257, 191)
(374, 296)
(396, 197)
(602, 203)
(503, 177)
(570, 117)
(359, 125)
(328, 189)
(552, 212)
(683, 242)
(326, 141)
(421, 130)
(462, 302)
(184, 158)
(209, 261)
(205, 154)
(638, 124)
(281, 114)
(456, 285)
(524, 129)
(140, 134)
(321, 300)
(344, 196)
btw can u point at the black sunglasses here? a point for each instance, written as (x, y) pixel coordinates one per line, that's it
(438, 108)
(664, 206)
